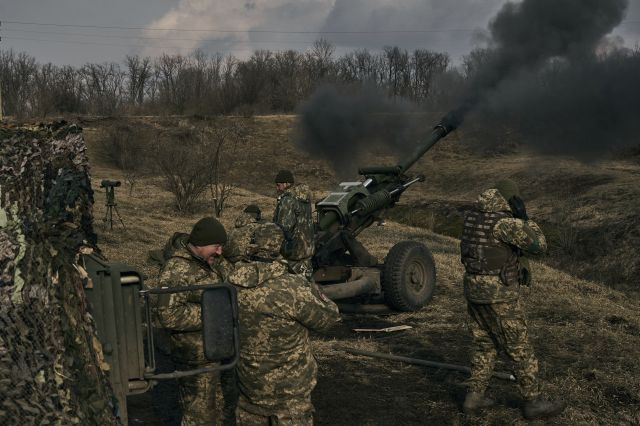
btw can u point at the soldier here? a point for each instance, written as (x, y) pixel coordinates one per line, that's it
(293, 215)
(495, 236)
(240, 235)
(253, 211)
(196, 260)
(277, 370)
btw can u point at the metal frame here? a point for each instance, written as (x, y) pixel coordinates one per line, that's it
(151, 344)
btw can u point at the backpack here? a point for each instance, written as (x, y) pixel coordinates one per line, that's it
(160, 257)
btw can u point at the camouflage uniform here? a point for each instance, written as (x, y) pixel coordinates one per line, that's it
(492, 246)
(293, 215)
(277, 370)
(180, 314)
(240, 236)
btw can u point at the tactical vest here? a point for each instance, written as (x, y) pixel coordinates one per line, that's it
(482, 253)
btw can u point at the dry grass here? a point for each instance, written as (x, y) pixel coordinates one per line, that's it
(586, 335)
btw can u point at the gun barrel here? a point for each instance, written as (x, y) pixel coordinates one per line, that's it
(408, 184)
(438, 133)
(449, 122)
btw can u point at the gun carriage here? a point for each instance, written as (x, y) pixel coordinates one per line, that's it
(349, 274)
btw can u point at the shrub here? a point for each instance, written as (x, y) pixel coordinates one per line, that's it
(184, 162)
(127, 148)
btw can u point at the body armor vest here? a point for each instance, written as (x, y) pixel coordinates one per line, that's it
(482, 253)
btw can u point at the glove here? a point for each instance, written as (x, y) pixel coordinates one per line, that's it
(524, 273)
(517, 208)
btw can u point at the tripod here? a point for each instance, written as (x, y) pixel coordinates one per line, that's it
(111, 206)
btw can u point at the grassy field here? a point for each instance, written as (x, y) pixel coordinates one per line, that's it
(586, 334)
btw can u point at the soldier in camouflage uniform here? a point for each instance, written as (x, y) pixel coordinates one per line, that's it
(277, 370)
(195, 261)
(293, 215)
(495, 236)
(240, 235)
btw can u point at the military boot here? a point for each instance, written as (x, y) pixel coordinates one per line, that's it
(541, 408)
(475, 401)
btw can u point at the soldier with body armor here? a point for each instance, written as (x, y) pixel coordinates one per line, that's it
(293, 216)
(195, 260)
(496, 234)
(277, 370)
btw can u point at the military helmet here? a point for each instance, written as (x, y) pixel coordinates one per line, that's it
(284, 176)
(237, 246)
(507, 188)
(208, 231)
(267, 240)
(253, 210)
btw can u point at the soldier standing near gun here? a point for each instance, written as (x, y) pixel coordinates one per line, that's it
(293, 216)
(495, 236)
(196, 261)
(277, 370)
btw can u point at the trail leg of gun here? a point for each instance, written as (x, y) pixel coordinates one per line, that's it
(416, 361)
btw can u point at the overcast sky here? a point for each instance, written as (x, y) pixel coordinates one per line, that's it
(238, 27)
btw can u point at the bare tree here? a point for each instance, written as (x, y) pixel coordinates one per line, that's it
(229, 86)
(127, 148)
(104, 87)
(253, 76)
(182, 159)
(322, 55)
(139, 73)
(172, 90)
(426, 66)
(286, 88)
(17, 74)
(399, 75)
(42, 101)
(67, 90)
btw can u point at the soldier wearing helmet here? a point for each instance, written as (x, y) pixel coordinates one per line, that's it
(277, 370)
(496, 235)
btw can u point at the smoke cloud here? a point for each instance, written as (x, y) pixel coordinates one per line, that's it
(551, 73)
(553, 76)
(342, 124)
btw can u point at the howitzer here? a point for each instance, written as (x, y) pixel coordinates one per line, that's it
(406, 280)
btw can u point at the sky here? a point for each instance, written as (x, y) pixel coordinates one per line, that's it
(74, 31)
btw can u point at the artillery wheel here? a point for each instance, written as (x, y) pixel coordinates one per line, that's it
(409, 276)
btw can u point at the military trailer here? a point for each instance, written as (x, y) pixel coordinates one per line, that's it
(349, 274)
(121, 307)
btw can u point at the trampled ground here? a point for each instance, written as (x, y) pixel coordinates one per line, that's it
(586, 335)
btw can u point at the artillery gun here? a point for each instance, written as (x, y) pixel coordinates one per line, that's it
(405, 281)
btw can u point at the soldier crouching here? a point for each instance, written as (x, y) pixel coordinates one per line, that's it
(277, 370)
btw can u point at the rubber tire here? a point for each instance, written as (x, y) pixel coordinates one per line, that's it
(404, 259)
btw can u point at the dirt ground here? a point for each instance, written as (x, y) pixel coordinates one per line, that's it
(586, 338)
(586, 334)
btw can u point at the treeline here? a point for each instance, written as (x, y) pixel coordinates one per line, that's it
(265, 82)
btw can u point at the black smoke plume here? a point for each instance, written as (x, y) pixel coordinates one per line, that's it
(342, 124)
(547, 76)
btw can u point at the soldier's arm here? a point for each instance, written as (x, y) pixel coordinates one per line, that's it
(176, 311)
(526, 235)
(249, 274)
(316, 312)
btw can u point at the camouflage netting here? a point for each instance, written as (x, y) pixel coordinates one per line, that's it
(52, 369)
